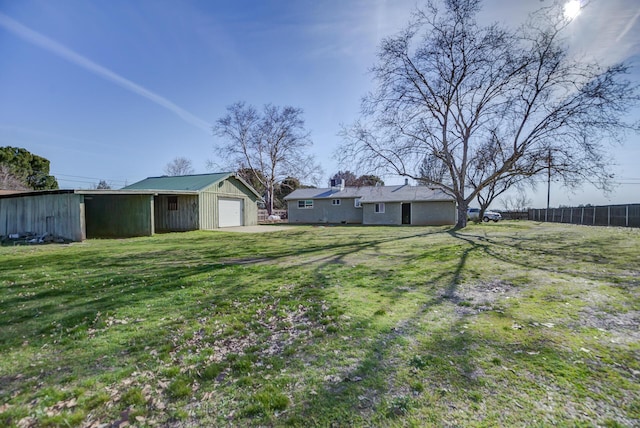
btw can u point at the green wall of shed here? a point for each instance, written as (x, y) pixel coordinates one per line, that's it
(119, 216)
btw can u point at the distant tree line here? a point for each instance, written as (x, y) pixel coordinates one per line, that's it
(351, 180)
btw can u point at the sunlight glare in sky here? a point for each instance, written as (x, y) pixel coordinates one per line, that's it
(572, 9)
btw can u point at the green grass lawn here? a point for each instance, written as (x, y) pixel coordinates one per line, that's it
(508, 324)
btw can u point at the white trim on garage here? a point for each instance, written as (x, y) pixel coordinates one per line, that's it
(230, 212)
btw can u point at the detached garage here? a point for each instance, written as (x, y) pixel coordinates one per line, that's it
(156, 204)
(203, 201)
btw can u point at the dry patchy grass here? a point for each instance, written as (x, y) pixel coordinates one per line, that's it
(494, 325)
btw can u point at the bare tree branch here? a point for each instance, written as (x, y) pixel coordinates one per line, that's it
(477, 109)
(179, 166)
(272, 143)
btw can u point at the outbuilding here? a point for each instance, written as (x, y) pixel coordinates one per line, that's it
(201, 202)
(156, 204)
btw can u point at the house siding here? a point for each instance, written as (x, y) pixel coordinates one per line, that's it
(392, 214)
(324, 211)
(433, 213)
(59, 215)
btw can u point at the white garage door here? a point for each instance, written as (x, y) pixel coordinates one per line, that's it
(229, 212)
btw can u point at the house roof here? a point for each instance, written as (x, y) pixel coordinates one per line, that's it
(180, 182)
(196, 182)
(177, 185)
(372, 194)
(11, 192)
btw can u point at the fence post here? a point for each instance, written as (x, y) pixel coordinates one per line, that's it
(582, 216)
(626, 220)
(594, 215)
(609, 215)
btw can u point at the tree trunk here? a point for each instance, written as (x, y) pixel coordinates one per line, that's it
(269, 204)
(462, 214)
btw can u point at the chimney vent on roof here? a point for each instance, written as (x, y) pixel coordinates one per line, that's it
(337, 184)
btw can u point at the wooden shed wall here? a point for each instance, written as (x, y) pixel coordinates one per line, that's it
(58, 214)
(230, 188)
(185, 217)
(111, 216)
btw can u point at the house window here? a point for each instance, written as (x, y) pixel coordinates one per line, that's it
(380, 208)
(356, 203)
(305, 204)
(335, 202)
(173, 203)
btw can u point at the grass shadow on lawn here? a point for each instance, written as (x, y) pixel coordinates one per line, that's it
(355, 394)
(462, 365)
(353, 326)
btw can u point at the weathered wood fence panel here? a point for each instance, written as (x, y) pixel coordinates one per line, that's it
(263, 215)
(514, 215)
(58, 214)
(607, 215)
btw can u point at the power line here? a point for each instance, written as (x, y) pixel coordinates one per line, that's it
(72, 177)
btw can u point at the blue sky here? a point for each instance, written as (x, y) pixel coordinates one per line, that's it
(116, 89)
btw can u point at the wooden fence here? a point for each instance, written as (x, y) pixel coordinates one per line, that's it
(607, 215)
(514, 215)
(263, 216)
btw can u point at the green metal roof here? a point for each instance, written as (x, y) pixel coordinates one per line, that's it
(181, 182)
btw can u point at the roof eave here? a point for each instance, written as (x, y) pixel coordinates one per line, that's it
(136, 192)
(248, 186)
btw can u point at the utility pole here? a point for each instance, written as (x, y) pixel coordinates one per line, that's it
(548, 185)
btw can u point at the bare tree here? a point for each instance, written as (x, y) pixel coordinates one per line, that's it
(179, 166)
(517, 202)
(9, 180)
(272, 143)
(486, 105)
(103, 185)
(432, 170)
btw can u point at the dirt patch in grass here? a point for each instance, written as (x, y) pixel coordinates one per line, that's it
(620, 327)
(271, 328)
(473, 298)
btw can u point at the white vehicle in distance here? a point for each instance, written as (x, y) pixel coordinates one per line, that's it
(474, 213)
